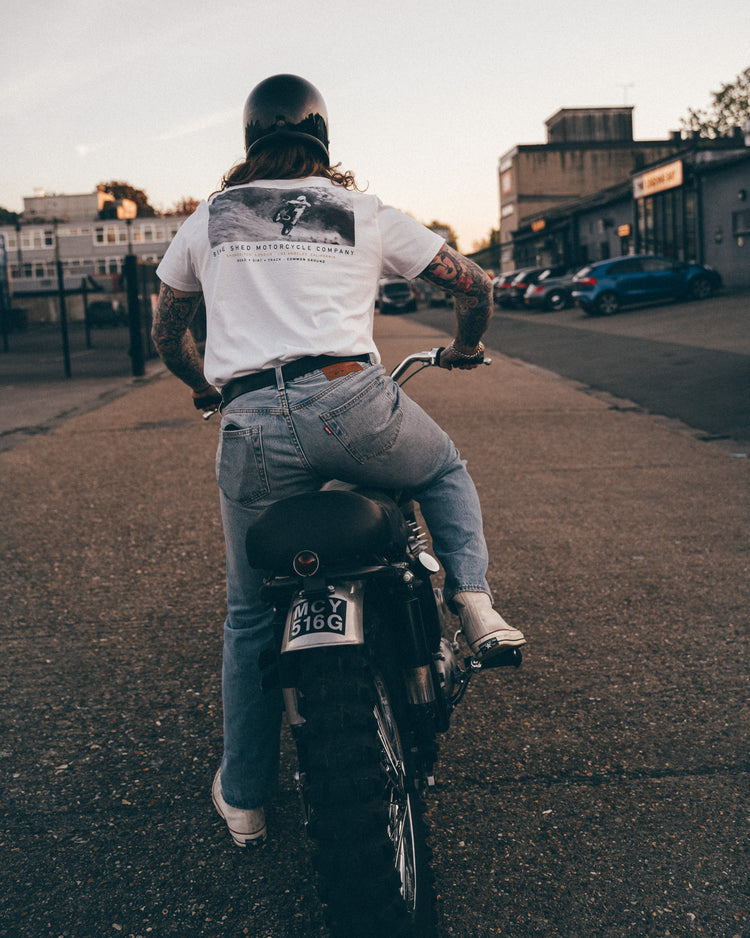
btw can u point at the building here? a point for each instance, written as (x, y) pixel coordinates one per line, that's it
(691, 206)
(89, 235)
(588, 150)
(696, 207)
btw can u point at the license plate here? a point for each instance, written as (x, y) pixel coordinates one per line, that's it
(317, 617)
(335, 619)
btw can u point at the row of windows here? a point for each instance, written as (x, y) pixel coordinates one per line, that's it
(36, 237)
(102, 266)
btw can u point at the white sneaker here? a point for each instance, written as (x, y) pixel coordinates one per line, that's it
(484, 628)
(246, 827)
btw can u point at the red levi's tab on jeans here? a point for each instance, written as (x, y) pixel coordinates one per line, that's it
(340, 368)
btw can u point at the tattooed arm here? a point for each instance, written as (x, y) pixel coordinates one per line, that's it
(173, 340)
(472, 290)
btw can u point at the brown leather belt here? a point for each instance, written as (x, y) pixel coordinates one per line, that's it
(295, 369)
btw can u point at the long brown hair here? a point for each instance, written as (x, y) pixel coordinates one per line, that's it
(292, 160)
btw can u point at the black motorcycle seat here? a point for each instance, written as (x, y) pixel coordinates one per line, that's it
(336, 524)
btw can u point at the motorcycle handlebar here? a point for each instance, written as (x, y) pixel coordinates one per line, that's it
(426, 360)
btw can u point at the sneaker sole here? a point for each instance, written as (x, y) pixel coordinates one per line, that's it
(495, 644)
(241, 840)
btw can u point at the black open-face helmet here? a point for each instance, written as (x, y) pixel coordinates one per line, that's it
(285, 106)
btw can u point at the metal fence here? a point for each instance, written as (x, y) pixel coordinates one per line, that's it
(33, 318)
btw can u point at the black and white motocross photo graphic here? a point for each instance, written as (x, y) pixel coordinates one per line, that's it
(315, 215)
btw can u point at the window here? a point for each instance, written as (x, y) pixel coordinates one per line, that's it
(655, 264)
(691, 236)
(630, 266)
(37, 237)
(108, 265)
(111, 234)
(741, 222)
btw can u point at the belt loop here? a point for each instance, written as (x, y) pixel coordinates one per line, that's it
(279, 377)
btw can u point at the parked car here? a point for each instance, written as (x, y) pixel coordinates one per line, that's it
(500, 285)
(396, 296)
(551, 290)
(513, 295)
(433, 295)
(601, 289)
(106, 313)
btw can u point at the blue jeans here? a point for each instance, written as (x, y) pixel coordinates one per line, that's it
(289, 439)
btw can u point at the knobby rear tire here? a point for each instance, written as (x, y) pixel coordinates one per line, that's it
(360, 804)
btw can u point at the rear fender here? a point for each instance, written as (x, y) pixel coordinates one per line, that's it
(323, 621)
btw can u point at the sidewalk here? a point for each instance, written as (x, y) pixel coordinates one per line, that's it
(35, 395)
(597, 792)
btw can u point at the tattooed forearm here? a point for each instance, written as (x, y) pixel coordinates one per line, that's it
(174, 343)
(471, 287)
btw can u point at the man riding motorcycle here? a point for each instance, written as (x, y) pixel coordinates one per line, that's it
(291, 357)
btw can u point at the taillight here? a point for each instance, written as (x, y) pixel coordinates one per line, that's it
(306, 563)
(587, 282)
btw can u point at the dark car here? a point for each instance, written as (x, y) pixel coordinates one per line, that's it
(500, 285)
(106, 313)
(513, 295)
(603, 288)
(551, 290)
(396, 296)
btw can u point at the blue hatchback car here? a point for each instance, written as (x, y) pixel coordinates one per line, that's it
(601, 289)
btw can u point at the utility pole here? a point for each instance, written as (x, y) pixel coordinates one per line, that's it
(63, 308)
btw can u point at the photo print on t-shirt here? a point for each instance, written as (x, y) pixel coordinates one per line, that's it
(315, 214)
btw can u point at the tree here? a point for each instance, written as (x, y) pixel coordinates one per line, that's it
(730, 108)
(7, 217)
(183, 207)
(490, 241)
(445, 230)
(123, 190)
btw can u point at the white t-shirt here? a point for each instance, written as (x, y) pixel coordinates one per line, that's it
(290, 268)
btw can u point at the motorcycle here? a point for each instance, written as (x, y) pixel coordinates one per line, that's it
(287, 219)
(369, 679)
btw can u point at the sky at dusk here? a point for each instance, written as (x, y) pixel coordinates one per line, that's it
(423, 98)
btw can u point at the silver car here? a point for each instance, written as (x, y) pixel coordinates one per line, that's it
(552, 291)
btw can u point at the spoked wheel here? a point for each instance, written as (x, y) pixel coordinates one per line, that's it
(400, 815)
(608, 303)
(700, 289)
(364, 814)
(557, 300)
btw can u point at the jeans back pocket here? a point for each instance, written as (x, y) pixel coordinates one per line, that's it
(368, 424)
(240, 467)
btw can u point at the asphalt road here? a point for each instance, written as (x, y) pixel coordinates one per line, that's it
(600, 791)
(685, 361)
